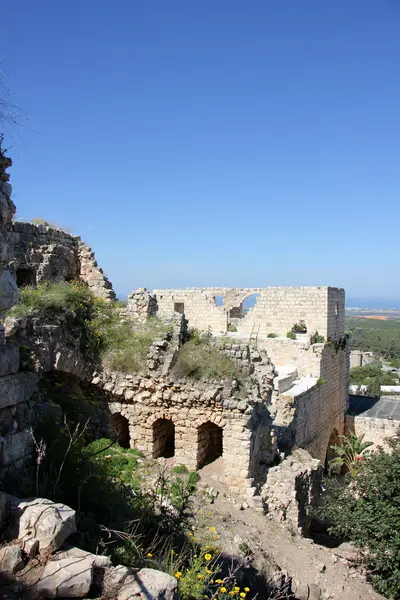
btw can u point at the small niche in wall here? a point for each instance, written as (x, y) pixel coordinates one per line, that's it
(25, 277)
(179, 307)
(218, 300)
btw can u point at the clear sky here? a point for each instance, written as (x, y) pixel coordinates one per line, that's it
(201, 142)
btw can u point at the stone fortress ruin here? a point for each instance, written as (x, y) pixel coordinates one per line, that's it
(296, 396)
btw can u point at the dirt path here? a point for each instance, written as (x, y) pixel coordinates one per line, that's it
(271, 544)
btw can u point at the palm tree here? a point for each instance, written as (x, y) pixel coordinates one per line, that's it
(349, 453)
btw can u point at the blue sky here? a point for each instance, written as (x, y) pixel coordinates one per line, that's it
(213, 143)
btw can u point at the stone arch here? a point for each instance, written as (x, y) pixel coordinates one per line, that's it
(209, 443)
(120, 429)
(163, 438)
(244, 305)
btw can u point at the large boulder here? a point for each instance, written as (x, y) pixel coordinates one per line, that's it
(11, 559)
(150, 584)
(66, 578)
(47, 522)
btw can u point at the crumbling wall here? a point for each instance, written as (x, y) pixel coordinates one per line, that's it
(43, 253)
(275, 311)
(16, 388)
(141, 305)
(291, 487)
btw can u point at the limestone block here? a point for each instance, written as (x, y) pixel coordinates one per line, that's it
(151, 584)
(10, 559)
(48, 522)
(9, 293)
(14, 447)
(66, 578)
(9, 360)
(17, 388)
(99, 561)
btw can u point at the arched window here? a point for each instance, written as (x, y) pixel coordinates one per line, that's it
(120, 429)
(209, 443)
(163, 438)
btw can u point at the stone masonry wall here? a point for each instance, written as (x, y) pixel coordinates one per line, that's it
(375, 430)
(43, 253)
(276, 309)
(16, 388)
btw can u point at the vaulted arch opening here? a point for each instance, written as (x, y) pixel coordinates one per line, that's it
(209, 443)
(120, 430)
(163, 438)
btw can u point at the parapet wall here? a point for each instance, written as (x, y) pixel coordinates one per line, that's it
(275, 311)
(43, 253)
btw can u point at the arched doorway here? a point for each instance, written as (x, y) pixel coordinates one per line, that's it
(209, 443)
(163, 438)
(120, 429)
(25, 276)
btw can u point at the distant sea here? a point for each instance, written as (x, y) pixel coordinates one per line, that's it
(372, 303)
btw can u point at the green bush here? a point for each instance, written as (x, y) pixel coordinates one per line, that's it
(367, 374)
(291, 335)
(232, 327)
(272, 335)
(199, 359)
(367, 512)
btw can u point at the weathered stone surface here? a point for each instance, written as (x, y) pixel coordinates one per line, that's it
(3, 509)
(48, 522)
(66, 578)
(16, 388)
(9, 293)
(14, 447)
(150, 584)
(99, 561)
(9, 359)
(11, 559)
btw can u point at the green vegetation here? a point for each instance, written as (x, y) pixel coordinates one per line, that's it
(317, 338)
(367, 512)
(291, 335)
(232, 327)
(369, 374)
(374, 335)
(348, 453)
(299, 327)
(199, 359)
(272, 335)
(102, 332)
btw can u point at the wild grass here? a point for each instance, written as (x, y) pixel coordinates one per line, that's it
(52, 297)
(199, 359)
(104, 334)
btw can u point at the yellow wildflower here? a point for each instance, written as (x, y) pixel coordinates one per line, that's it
(208, 556)
(199, 576)
(149, 555)
(208, 572)
(223, 589)
(242, 594)
(236, 589)
(178, 574)
(219, 581)
(190, 534)
(246, 589)
(212, 529)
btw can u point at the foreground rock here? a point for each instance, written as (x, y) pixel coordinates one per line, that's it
(45, 521)
(66, 578)
(149, 584)
(11, 560)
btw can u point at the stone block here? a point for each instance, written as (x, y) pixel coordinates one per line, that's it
(151, 584)
(14, 447)
(9, 293)
(11, 559)
(48, 522)
(17, 388)
(9, 359)
(66, 578)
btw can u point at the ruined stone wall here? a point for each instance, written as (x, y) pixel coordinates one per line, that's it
(375, 430)
(16, 388)
(43, 253)
(276, 309)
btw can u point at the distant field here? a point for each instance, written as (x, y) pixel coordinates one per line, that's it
(378, 335)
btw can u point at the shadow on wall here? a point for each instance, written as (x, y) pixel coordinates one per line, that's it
(209, 443)
(163, 438)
